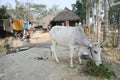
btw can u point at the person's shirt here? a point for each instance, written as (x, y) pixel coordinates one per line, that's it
(25, 25)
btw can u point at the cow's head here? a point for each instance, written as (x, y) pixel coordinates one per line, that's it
(95, 53)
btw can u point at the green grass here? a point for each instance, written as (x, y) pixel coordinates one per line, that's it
(103, 71)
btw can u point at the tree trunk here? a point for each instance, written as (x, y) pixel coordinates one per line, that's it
(119, 32)
(87, 12)
(106, 29)
(98, 20)
(94, 18)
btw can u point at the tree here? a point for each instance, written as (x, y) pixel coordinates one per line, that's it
(116, 13)
(119, 30)
(29, 11)
(117, 7)
(3, 13)
(106, 29)
(80, 9)
(54, 9)
(21, 11)
(39, 10)
(88, 11)
(98, 20)
(114, 19)
(94, 17)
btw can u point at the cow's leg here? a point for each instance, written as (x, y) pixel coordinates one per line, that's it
(79, 54)
(71, 55)
(53, 47)
(77, 49)
(79, 57)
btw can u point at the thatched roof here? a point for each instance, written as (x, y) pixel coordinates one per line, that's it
(45, 21)
(66, 14)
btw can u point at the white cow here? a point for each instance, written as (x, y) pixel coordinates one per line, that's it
(74, 38)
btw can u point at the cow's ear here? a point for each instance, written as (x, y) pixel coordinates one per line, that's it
(88, 47)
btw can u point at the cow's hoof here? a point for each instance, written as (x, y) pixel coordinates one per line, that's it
(57, 62)
(71, 66)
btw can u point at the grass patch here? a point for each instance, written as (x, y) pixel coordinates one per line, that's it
(105, 70)
(2, 48)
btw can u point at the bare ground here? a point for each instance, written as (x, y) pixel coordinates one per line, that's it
(36, 63)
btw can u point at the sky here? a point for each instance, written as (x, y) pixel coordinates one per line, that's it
(49, 3)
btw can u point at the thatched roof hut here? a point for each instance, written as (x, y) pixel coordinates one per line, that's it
(66, 14)
(45, 21)
(66, 17)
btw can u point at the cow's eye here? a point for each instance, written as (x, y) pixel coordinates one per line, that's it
(101, 46)
(95, 52)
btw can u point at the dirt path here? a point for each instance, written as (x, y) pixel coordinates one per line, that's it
(36, 63)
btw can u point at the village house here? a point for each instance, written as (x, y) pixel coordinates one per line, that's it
(64, 18)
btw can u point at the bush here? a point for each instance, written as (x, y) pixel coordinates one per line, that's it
(103, 71)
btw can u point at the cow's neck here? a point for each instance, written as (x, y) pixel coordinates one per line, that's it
(87, 43)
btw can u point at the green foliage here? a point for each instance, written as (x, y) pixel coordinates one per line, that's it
(38, 6)
(30, 11)
(104, 70)
(115, 1)
(114, 19)
(3, 13)
(80, 9)
(114, 15)
(39, 10)
(53, 9)
(113, 40)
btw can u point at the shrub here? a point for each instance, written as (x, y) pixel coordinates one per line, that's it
(103, 71)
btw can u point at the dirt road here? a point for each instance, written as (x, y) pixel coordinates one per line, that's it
(36, 63)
